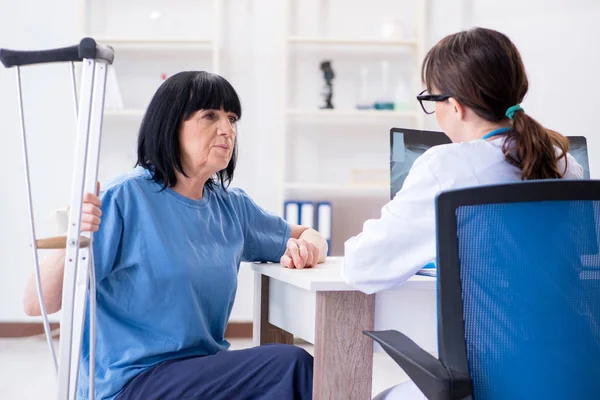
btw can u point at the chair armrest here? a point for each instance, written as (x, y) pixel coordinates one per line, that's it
(426, 371)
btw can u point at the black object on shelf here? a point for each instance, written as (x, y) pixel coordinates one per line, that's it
(327, 92)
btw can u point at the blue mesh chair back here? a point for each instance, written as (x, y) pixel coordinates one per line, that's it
(523, 317)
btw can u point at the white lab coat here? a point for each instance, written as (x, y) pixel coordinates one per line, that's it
(405, 391)
(394, 247)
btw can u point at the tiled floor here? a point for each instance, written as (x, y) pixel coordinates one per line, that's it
(26, 370)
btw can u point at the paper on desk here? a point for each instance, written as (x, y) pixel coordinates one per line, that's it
(428, 270)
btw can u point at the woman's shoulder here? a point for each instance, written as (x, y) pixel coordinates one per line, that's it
(234, 195)
(455, 164)
(572, 169)
(126, 181)
(440, 154)
(464, 152)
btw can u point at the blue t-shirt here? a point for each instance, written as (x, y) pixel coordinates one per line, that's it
(166, 271)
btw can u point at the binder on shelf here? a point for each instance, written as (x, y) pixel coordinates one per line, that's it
(324, 222)
(312, 215)
(291, 212)
(307, 214)
(299, 213)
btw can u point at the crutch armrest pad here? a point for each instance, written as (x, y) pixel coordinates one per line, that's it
(87, 48)
(17, 58)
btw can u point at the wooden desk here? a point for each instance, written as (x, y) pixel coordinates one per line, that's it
(318, 306)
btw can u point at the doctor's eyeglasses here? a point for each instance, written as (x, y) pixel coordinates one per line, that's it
(428, 101)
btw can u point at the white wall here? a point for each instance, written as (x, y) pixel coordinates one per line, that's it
(31, 24)
(254, 69)
(556, 39)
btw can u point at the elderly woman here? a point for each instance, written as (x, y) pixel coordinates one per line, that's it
(167, 256)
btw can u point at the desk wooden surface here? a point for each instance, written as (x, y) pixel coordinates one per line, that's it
(326, 277)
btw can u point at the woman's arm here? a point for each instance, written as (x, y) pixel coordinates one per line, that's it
(269, 238)
(51, 275)
(52, 267)
(391, 249)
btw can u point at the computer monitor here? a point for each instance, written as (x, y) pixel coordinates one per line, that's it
(578, 149)
(407, 145)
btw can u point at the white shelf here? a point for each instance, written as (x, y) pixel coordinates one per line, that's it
(350, 42)
(156, 43)
(303, 123)
(351, 113)
(350, 188)
(126, 113)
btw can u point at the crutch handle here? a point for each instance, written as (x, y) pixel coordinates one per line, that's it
(60, 242)
(87, 48)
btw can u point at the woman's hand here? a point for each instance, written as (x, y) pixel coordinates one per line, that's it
(90, 212)
(300, 254)
(52, 267)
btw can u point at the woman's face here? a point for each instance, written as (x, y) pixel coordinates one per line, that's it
(207, 140)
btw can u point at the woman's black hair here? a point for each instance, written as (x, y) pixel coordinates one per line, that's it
(175, 101)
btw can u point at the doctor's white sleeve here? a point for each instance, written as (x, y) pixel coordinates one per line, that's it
(391, 249)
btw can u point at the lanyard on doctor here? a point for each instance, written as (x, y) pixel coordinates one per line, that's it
(496, 132)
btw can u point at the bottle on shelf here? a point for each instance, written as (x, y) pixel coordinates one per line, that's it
(364, 102)
(402, 101)
(384, 100)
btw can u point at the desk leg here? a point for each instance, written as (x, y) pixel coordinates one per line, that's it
(269, 333)
(343, 355)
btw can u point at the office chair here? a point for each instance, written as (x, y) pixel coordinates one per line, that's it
(518, 311)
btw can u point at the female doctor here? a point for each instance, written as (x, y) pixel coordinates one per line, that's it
(475, 82)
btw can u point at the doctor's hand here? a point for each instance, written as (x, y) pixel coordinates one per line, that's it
(300, 254)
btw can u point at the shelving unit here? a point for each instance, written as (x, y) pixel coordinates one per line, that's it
(350, 113)
(330, 41)
(339, 189)
(152, 40)
(162, 45)
(137, 113)
(318, 148)
(164, 39)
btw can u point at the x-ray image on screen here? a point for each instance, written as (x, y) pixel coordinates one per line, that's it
(578, 149)
(407, 145)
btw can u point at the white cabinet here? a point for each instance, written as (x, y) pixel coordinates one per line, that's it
(152, 41)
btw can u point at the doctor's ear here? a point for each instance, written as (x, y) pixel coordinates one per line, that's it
(458, 108)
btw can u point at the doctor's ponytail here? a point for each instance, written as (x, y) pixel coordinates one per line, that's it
(483, 70)
(535, 149)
